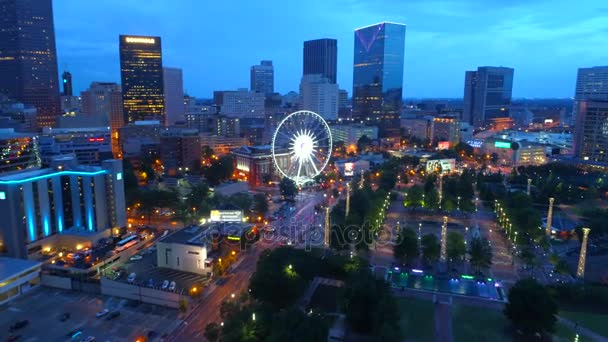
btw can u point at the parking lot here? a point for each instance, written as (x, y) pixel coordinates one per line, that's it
(43, 308)
(145, 270)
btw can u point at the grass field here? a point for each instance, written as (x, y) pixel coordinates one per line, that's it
(469, 323)
(417, 319)
(595, 322)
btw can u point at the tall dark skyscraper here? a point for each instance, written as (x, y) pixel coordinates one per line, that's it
(487, 95)
(321, 57)
(66, 80)
(591, 114)
(141, 73)
(28, 59)
(378, 75)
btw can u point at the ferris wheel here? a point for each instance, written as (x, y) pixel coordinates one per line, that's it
(305, 138)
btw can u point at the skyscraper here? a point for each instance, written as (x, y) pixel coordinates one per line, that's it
(487, 95)
(591, 133)
(174, 95)
(141, 73)
(592, 84)
(28, 59)
(105, 98)
(591, 118)
(319, 95)
(320, 57)
(378, 75)
(66, 80)
(262, 77)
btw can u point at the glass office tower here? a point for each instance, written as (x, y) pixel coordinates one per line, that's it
(321, 57)
(141, 73)
(378, 75)
(28, 58)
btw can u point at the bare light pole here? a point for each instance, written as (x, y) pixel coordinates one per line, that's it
(549, 217)
(444, 241)
(580, 271)
(529, 183)
(347, 199)
(327, 232)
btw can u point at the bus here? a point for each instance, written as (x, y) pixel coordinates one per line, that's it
(126, 243)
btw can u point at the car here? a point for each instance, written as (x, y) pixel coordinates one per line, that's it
(172, 286)
(131, 277)
(113, 315)
(18, 325)
(221, 281)
(165, 284)
(74, 334)
(64, 317)
(150, 283)
(136, 257)
(102, 313)
(89, 339)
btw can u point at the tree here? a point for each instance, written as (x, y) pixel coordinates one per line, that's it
(430, 248)
(414, 196)
(212, 332)
(241, 200)
(388, 179)
(531, 309)
(363, 144)
(198, 194)
(406, 249)
(260, 204)
(219, 170)
(288, 188)
(456, 248)
(480, 253)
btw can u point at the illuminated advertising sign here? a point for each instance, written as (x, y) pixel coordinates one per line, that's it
(349, 169)
(443, 145)
(140, 40)
(440, 166)
(226, 216)
(502, 144)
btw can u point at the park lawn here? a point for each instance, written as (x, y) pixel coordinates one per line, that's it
(472, 323)
(592, 321)
(417, 319)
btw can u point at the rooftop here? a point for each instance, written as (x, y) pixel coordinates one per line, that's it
(10, 267)
(201, 235)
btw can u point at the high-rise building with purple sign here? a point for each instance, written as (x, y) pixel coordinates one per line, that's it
(378, 75)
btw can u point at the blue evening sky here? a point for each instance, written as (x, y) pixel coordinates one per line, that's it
(215, 42)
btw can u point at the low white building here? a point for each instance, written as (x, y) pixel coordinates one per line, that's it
(17, 276)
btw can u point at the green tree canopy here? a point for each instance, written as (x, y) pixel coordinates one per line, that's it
(430, 248)
(531, 309)
(456, 248)
(480, 253)
(406, 249)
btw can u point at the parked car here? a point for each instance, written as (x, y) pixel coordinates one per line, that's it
(131, 277)
(136, 257)
(73, 334)
(172, 286)
(113, 315)
(89, 339)
(150, 282)
(165, 284)
(102, 313)
(64, 317)
(18, 325)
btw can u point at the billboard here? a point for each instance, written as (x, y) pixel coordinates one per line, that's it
(226, 216)
(443, 145)
(349, 169)
(502, 144)
(440, 166)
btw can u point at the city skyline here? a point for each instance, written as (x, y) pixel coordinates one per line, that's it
(447, 45)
